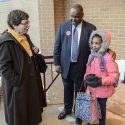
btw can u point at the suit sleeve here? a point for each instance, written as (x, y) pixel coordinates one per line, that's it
(6, 65)
(57, 48)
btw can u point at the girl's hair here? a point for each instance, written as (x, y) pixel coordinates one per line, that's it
(97, 35)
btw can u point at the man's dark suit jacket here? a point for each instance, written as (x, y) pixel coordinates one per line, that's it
(62, 48)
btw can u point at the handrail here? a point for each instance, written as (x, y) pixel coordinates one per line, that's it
(50, 62)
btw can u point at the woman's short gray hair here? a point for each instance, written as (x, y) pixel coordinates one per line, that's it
(15, 17)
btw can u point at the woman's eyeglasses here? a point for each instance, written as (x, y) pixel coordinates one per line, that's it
(25, 23)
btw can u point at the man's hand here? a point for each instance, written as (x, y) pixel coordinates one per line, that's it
(35, 49)
(112, 53)
(57, 68)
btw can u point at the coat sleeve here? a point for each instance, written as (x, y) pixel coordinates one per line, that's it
(88, 69)
(112, 72)
(6, 65)
(57, 48)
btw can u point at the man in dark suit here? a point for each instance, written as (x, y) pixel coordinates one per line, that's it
(72, 71)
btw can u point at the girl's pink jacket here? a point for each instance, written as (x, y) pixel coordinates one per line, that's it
(109, 76)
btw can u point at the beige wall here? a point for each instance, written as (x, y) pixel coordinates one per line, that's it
(47, 29)
(46, 15)
(107, 15)
(59, 12)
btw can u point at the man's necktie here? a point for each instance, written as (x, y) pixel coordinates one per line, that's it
(75, 47)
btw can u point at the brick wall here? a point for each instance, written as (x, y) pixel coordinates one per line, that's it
(47, 30)
(45, 16)
(107, 15)
(59, 13)
(51, 14)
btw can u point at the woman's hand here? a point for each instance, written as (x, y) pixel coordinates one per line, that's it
(35, 49)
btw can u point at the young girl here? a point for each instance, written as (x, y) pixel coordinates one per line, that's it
(102, 71)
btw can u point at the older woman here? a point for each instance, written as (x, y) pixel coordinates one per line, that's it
(22, 86)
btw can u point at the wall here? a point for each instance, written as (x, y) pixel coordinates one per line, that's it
(108, 15)
(59, 13)
(46, 15)
(47, 29)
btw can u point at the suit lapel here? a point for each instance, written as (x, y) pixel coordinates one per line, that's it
(69, 35)
(83, 36)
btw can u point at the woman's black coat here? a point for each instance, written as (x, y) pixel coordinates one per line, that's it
(23, 93)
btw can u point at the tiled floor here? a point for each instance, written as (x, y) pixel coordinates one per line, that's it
(115, 108)
(51, 112)
(50, 118)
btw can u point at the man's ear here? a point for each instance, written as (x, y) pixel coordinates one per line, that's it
(82, 14)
